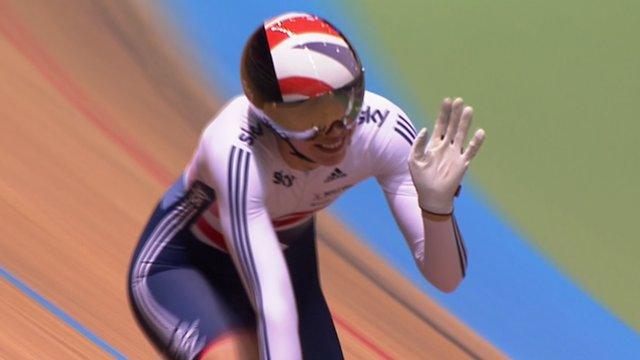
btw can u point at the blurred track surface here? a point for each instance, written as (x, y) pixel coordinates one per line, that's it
(97, 117)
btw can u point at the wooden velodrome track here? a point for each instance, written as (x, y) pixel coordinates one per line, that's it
(97, 117)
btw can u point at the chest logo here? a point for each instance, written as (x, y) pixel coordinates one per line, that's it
(335, 175)
(368, 115)
(282, 178)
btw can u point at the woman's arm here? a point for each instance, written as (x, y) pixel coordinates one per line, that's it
(448, 256)
(437, 169)
(256, 252)
(421, 194)
(435, 241)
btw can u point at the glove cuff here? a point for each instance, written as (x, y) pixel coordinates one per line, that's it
(437, 205)
(427, 212)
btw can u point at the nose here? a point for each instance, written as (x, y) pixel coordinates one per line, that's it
(337, 127)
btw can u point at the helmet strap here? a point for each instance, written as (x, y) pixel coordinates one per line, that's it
(265, 120)
(297, 153)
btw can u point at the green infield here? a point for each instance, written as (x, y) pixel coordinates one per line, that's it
(555, 85)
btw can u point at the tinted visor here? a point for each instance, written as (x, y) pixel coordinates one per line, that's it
(304, 119)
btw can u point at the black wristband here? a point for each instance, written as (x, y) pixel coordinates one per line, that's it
(432, 213)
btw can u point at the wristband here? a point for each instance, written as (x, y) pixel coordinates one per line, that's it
(430, 213)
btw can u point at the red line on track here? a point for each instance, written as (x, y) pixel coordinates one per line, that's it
(21, 40)
(356, 334)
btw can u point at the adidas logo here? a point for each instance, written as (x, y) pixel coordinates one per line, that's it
(335, 175)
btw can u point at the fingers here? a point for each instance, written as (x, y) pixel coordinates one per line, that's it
(463, 127)
(474, 146)
(454, 119)
(443, 119)
(419, 145)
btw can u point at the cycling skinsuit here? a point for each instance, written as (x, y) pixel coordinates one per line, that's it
(231, 245)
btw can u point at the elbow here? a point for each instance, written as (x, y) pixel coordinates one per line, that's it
(446, 286)
(445, 282)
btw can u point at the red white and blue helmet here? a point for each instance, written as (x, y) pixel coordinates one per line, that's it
(294, 62)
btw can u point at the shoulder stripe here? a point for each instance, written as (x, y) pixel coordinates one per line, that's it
(407, 123)
(245, 236)
(405, 136)
(232, 210)
(407, 130)
(238, 176)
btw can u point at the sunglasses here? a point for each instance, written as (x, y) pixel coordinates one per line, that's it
(300, 120)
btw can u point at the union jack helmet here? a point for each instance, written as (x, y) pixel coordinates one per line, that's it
(295, 63)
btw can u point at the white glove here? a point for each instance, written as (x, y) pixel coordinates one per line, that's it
(437, 173)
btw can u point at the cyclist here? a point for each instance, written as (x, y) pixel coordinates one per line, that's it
(227, 266)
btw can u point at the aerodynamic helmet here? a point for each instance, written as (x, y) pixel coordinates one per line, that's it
(293, 65)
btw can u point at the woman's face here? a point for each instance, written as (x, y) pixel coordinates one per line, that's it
(327, 148)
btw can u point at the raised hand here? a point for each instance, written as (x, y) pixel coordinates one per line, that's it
(437, 167)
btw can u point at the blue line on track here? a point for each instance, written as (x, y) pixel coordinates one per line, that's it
(60, 314)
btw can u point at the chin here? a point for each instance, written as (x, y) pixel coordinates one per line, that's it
(330, 159)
